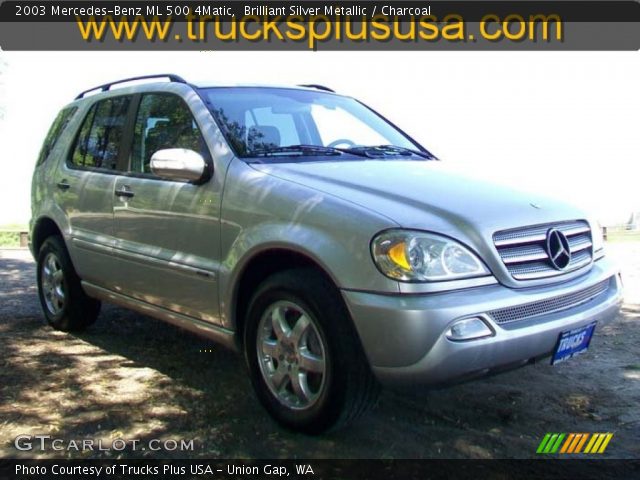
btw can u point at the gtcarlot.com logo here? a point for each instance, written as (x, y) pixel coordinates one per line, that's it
(43, 443)
(574, 443)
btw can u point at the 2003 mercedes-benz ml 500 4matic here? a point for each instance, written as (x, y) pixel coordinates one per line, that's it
(303, 228)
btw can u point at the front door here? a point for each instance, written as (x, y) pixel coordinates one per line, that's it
(167, 232)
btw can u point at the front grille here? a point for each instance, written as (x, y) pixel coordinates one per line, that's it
(550, 305)
(523, 250)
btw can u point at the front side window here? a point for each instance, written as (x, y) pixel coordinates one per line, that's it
(58, 126)
(163, 121)
(256, 120)
(101, 134)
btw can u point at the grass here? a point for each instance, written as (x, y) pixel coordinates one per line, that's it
(11, 238)
(623, 236)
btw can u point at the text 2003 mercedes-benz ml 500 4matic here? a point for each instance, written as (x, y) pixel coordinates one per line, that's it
(305, 230)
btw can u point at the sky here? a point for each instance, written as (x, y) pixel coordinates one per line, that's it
(563, 123)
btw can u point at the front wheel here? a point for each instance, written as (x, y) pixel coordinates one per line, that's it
(304, 357)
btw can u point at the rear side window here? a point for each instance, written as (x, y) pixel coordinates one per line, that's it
(101, 134)
(58, 126)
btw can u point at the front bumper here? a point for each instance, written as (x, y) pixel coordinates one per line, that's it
(404, 335)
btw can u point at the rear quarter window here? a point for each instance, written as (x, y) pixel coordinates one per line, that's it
(55, 131)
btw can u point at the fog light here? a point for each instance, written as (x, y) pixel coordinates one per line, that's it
(468, 329)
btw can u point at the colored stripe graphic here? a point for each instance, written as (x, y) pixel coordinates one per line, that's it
(543, 443)
(578, 441)
(578, 437)
(583, 440)
(567, 443)
(551, 443)
(603, 447)
(599, 443)
(573, 443)
(591, 443)
(556, 446)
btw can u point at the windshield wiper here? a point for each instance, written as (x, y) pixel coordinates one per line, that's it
(379, 151)
(295, 149)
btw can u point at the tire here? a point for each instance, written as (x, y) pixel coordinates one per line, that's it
(65, 305)
(311, 373)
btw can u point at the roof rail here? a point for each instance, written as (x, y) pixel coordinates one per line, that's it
(318, 87)
(107, 86)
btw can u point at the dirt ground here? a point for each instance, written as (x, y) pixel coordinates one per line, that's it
(133, 377)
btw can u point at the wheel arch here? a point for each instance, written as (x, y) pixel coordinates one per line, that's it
(44, 228)
(258, 268)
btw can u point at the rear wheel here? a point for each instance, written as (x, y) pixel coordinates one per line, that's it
(305, 360)
(65, 304)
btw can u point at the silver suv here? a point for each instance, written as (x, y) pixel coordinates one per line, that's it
(307, 231)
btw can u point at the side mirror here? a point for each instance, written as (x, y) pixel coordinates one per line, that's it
(178, 164)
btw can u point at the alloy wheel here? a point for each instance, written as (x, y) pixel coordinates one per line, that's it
(53, 284)
(292, 355)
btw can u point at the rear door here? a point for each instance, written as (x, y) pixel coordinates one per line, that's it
(85, 183)
(167, 231)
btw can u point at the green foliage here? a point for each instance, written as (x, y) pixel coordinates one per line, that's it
(9, 239)
(623, 236)
(10, 234)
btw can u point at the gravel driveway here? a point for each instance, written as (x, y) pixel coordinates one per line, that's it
(133, 377)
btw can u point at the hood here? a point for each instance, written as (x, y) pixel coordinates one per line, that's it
(427, 195)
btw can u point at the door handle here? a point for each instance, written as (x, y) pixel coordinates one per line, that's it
(64, 185)
(124, 192)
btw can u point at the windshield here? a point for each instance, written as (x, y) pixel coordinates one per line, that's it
(290, 122)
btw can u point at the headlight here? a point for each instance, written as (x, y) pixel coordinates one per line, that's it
(414, 256)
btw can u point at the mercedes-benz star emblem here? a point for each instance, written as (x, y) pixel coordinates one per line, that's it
(558, 249)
